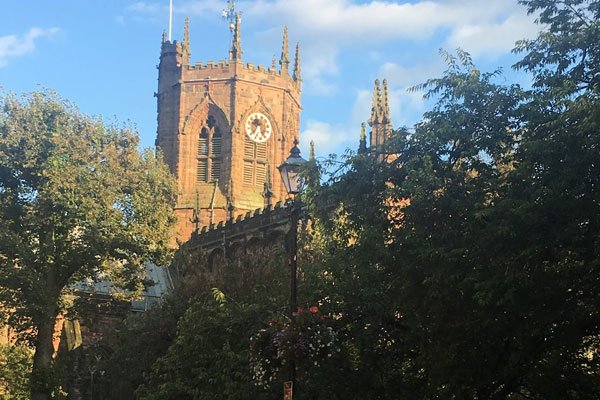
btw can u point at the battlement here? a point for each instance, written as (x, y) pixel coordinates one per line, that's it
(224, 65)
(251, 224)
(260, 68)
(228, 70)
(221, 64)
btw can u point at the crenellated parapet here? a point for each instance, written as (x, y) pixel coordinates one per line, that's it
(226, 67)
(212, 71)
(262, 231)
(259, 224)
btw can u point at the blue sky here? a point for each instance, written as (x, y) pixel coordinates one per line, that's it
(102, 55)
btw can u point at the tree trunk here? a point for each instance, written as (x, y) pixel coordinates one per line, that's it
(41, 374)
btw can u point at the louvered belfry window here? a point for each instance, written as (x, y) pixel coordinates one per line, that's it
(209, 151)
(255, 162)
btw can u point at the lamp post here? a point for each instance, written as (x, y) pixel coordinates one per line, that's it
(291, 180)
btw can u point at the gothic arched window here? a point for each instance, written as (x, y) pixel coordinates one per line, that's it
(209, 151)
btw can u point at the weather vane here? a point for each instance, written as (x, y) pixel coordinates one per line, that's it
(229, 14)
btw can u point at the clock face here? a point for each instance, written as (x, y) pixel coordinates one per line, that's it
(258, 127)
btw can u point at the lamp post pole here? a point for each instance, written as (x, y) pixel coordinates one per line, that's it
(289, 174)
(294, 219)
(296, 208)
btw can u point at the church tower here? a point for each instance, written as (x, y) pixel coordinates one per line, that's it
(224, 128)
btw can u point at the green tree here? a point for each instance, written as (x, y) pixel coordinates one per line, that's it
(77, 202)
(15, 368)
(471, 261)
(122, 361)
(197, 343)
(209, 357)
(564, 58)
(467, 268)
(348, 274)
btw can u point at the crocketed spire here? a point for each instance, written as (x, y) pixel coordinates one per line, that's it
(185, 44)
(297, 69)
(385, 106)
(376, 106)
(284, 61)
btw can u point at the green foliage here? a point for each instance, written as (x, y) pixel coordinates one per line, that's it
(15, 367)
(353, 282)
(565, 57)
(209, 357)
(121, 362)
(77, 202)
(489, 270)
(304, 342)
(197, 344)
(468, 267)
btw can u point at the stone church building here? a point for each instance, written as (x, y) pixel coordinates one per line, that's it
(223, 129)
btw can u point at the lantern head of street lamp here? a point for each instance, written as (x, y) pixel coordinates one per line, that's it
(289, 170)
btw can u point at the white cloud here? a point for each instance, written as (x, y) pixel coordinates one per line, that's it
(407, 106)
(200, 7)
(323, 60)
(327, 27)
(328, 138)
(348, 22)
(319, 65)
(15, 46)
(143, 12)
(143, 7)
(320, 86)
(481, 39)
(158, 11)
(398, 75)
(191, 8)
(361, 110)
